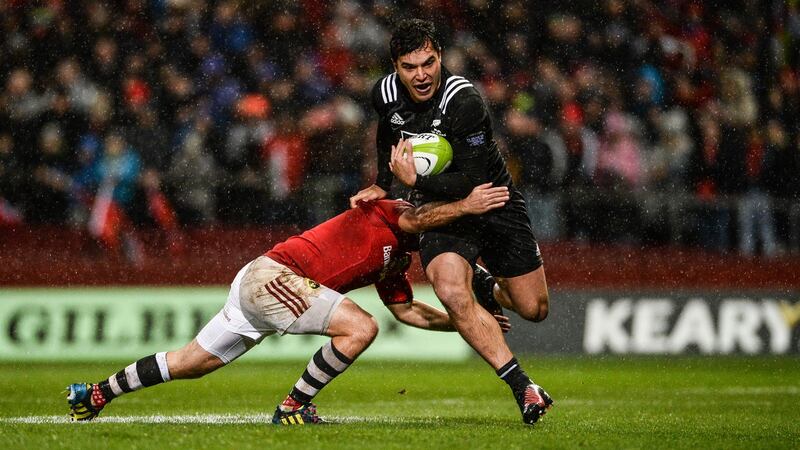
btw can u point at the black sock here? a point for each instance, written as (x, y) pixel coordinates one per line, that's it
(148, 371)
(515, 377)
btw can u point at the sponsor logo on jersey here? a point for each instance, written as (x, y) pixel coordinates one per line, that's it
(387, 254)
(408, 134)
(397, 120)
(476, 139)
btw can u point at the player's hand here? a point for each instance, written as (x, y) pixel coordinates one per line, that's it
(373, 192)
(484, 198)
(402, 163)
(504, 322)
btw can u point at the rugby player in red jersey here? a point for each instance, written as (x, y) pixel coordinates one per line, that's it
(296, 288)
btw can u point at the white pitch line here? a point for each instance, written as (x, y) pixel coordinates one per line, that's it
(744, 390)
(206, 419)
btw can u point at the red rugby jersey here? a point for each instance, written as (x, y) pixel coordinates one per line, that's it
(357, 248)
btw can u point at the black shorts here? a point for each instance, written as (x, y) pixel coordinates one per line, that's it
(503, 238)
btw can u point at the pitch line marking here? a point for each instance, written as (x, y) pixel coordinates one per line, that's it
(206, 419)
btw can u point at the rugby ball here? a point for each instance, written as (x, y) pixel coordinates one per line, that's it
(432, 153)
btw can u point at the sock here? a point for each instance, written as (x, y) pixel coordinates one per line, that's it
(148, 371)
(326, 364)
(515, 377)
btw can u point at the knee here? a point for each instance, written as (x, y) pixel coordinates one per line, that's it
(537, 309)
(455, 297)
(367, 330)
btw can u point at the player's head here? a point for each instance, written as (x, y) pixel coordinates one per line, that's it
(417, 57)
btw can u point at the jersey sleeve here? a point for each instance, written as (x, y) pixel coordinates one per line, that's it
(395, 289)
(384, 136)
(469, 138)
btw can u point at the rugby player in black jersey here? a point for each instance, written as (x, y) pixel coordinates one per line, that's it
(422, 96)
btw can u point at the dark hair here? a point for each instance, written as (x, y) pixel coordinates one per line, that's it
(412, 34)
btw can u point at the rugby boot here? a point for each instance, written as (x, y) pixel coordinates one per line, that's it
(534, 403)
(85, 400)
(292, 412)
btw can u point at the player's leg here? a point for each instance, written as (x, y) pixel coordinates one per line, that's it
(352, 330)
(512, 255)
(214, 346)
(525, 294)
(487, 292)
(450, 274)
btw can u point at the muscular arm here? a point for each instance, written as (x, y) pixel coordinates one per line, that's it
(422, 315)
(455, 184)
(436, 214)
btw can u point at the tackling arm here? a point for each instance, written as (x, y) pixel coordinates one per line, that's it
(483, 198)
(422, 315)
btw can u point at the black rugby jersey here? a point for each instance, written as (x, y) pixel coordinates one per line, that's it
(456, 112)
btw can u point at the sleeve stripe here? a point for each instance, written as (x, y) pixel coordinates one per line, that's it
(452, 92)
(448, 85)
(383, 90)
(389, 88)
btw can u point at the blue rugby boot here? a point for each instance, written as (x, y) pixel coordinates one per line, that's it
(85, 401)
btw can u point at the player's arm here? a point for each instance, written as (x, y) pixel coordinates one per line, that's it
(422, 315)
(396, 293)
(470, 153)
(483, 198)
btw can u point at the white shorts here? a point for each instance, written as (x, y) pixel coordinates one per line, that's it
(267, 298)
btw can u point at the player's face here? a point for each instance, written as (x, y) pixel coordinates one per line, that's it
(420, 72)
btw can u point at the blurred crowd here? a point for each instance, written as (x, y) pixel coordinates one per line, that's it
(622, 120)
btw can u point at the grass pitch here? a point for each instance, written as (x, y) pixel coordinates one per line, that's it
(600, 402)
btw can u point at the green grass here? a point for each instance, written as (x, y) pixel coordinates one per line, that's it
(601, 402)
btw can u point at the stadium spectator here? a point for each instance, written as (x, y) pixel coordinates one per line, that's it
(667, 163)
(116, 175)
(192, 177)
(11, 179)
(756, 222)
(49, 200)
(709, 172)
